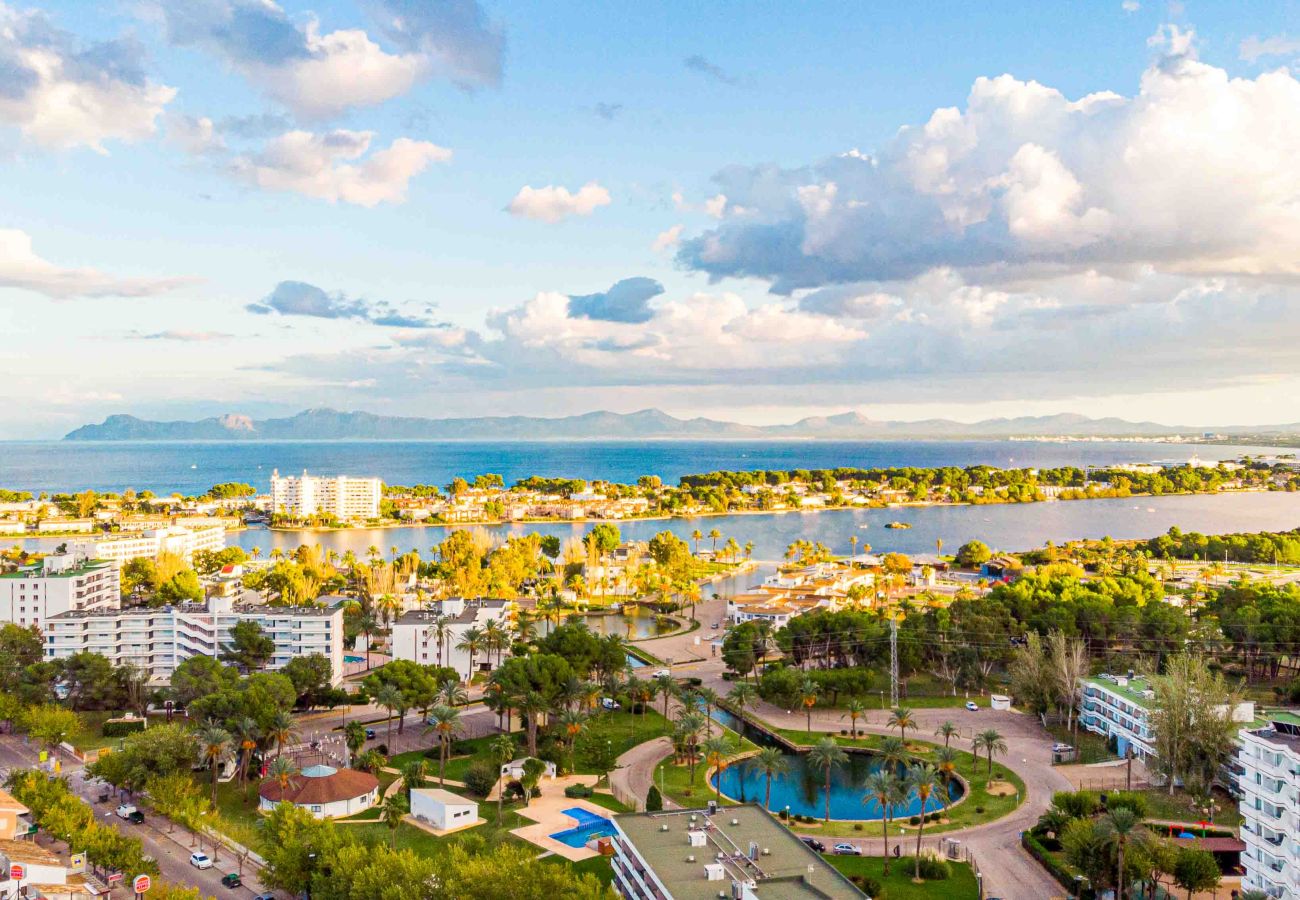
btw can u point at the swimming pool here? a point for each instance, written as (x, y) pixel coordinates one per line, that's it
(349, 658)
(589, 826)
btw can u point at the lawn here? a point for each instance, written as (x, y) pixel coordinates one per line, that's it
(1093, 748)
(920, 692)
(609, 802)
(622, 732)
(898, 886)
(675, 781)
(597, 865)
(90, 736)
(426, 844)
(961, 815)
(234, 818)
(1179, 808)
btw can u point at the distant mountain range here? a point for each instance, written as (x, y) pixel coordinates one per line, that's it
(329, 424)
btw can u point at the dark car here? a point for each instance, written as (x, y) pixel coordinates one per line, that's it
(267, 896)
(370, 734)
(105, 795)
(814, 843)
(136, 818)
(232, 880)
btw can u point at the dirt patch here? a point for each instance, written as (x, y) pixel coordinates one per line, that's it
(1000, 788)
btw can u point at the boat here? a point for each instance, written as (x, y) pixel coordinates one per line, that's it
(898, 525)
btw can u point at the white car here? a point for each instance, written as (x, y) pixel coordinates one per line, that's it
(663, 673)
(200, 861)
(1061, 748)
(970, 705)
(609, 703)
(847, 850)
(125, 810)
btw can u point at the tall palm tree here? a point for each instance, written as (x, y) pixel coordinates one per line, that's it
(452, 693)
(573, 723)
(771, 761)
(471, 642)
(808, 691)
(947, 731)
(532, 706)
(893, 751)
(714, 534)
(280, 771)
(945, 763)
(902, 719)
(441, 628)
(215, 744)
(716, 750)
(690, 724)
(247, 734)
(825, 755)
(992, 742)
(709, 698)
(354, 735)
(665, 685)
(390, 698)
(392, 813)
(495, 639)
(503, 751)
(749, 549)
(445, 722)
(697, 536)
(1120, 828)
(882, 785)
(924, 780)
(281, 730)
(741, 696)
(854, 709)
(413, 774)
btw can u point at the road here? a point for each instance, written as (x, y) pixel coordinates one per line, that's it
(171, 851)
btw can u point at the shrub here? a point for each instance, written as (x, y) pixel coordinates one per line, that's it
(120, 728)
(1064, 876)
(782, 814)
(514, 790)
(933, 868)
(1077, 804)
(433, 753)
(932, 817)
(1130, 799)
(979, 810)
(857, 826)
(914, 820)
(654, 801)
(383, 749)
(870, 886)
(480, 776)
(577, 791)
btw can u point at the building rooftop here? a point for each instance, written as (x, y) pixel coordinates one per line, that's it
(304, 789)
(38, 569)
(1132, 691)
(782, 868)
(467, 616)
(200, 609)
(27, 852)
(442, 796)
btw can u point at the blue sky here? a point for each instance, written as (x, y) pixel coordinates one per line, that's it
(233, 206)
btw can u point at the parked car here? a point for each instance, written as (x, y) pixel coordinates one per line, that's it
(370, 734)
(125, 810)
(970, 705)
(1061, 748)
(847, 850)
(232, 880)
(200, 860)
(716, 625)
(136, 818)
(661, 672)
(609, 703)
(267, 896)
(814, 843)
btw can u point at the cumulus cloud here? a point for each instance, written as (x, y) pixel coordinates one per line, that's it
(666, 240)
(626, 301)
(553, 203)
(60, 92)
(701, 65)
(21, 267)
(330, 166)
(195, 135)
(1253, 48)
(1024, 178)
(1130, 6)
(316, 74)
(298, 298)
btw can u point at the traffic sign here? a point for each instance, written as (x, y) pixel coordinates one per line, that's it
(141, 884)
(17, 872)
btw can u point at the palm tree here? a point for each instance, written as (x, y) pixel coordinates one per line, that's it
(924, 780)
(710, 699)
(354, 735)
(503, 751)
(808, 697)
(441, 628)
(697, 536)
(689, 726)
(451, 693)
(445, 722)
(716, 750)
(947, 731)
(573, 723)
(1119, 828)
(992, 742)
(494, 639)
(893, 751)
(532, 705)
(946, 765)
(902, 719)
(413, 774)
(247, 732)
(854, 710)
(741, 696)
(665, 685)
(882, 785)
(215, 745)
(749, 549)
(280, 771)
(392, 813)
(714, 534)
(282, 730)
(471, 642)
(371, 761)
(771, 761)
(390, 698)
(826, 754)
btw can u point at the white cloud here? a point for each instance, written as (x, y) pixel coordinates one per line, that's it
(330, 166)
(666, 240)
(553, 203)
(1253, 48)
(61, 94)
(20, 267)
(1130, 6)
(195, 135)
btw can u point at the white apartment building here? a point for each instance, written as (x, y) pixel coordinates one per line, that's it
(159, 640)
(61, 583)
(150, 544)
(339, 495)
(1270, 805)
(415, 633)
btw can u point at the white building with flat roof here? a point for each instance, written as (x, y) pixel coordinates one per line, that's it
(340, 496)
(159, 640)
(415, 633)
(59, 583)
(180, 540)
(1269, 757)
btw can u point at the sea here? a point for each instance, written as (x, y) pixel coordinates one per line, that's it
(192, 467)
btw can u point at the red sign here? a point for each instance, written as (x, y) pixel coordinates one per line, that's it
(17, 872)
(114, 877)
(141, 884)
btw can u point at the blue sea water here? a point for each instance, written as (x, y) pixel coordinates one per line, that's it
(192, 467)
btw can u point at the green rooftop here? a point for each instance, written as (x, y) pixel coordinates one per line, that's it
(782, 873)
(1132, 692)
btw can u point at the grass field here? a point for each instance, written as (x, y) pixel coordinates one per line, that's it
(960, 885)
(1179, 808)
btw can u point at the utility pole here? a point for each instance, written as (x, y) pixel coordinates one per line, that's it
(893, 662)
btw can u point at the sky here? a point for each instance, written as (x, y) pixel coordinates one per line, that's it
(752, 211)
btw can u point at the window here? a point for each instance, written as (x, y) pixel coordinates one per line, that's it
(315, 809)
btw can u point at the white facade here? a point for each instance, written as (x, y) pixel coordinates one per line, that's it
(159, 640)
(149, 544)
(415, 634)
(58, 584)
(1270, 806)
(339, 496)
(443, 809)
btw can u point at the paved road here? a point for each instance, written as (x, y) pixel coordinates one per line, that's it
(171, 851)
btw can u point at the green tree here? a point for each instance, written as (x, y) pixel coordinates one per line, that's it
(392, 813)
(1196, 871)
(973, 553)
(924, 782)
(249, 647)
(503, 751)
(854, 709)
(826, 755)
(50, 725)
(881, 786)
(1119, 829)
(770, 761)
(215, 746)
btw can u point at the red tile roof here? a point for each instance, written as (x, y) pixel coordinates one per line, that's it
(345, 784)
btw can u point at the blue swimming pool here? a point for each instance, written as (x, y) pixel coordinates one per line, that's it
(349, 658)
(589, 826)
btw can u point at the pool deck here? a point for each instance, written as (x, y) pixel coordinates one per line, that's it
(548, 812)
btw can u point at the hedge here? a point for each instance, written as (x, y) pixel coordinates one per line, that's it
(1030, 842)
(122, 727)
(577, 791)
